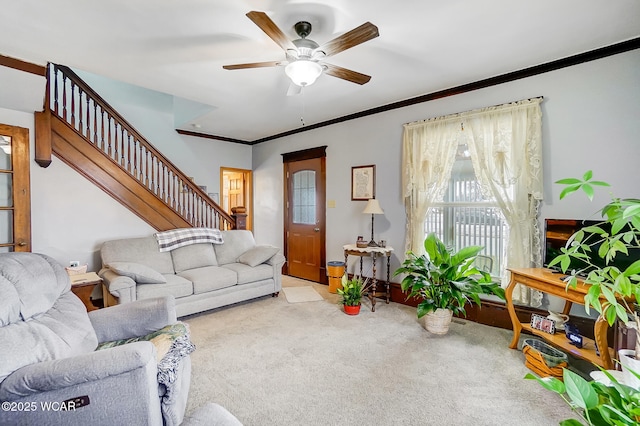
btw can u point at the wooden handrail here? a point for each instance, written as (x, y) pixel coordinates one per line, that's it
(99, 124)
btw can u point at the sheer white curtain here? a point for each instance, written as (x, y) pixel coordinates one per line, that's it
(506, 153)
(428, 154)
(505, 146)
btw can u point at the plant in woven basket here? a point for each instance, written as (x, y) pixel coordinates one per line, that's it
(594, 402)
(445, 280)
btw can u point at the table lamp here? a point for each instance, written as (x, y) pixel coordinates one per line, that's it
(373, 208)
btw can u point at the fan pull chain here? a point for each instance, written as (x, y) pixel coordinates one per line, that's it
(302, 99)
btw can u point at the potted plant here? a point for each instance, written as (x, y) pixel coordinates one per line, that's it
(594, 402)
(352, 291)
(617, 235)
(445, 282)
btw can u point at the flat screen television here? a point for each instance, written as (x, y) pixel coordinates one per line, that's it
(558, 231)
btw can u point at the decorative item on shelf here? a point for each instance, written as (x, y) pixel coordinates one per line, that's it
(361, 243)
(573, 334)
(541, 323)
(372, 208)
(558, 319)
(382, 243)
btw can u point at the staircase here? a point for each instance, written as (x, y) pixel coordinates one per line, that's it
(87, 134)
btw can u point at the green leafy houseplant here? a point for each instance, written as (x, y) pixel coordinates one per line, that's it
(444, 279)
(352, 290)
(594, 402)
(618, 233)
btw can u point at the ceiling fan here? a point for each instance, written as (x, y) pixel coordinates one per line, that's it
(303, 56)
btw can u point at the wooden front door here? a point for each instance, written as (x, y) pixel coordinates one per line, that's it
(305, 218)
(15, 194)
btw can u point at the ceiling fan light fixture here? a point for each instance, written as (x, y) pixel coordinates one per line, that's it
(303, 72)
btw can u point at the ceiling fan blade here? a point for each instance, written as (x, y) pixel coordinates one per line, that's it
(356, 36)
(346, 74)
(253, 65)
(271, 29)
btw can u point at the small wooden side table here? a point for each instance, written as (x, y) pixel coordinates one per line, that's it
(374, 253)
(82, 285)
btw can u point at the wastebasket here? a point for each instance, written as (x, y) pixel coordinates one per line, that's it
(335, 271)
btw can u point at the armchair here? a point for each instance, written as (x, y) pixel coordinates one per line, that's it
(50, 372)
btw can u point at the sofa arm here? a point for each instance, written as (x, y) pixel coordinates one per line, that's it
(62, 373)
(124, 288)
(134, 319)
(276, 259)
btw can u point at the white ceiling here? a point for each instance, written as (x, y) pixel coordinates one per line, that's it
(179, 47)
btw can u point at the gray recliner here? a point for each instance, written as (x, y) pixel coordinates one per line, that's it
(50, 371)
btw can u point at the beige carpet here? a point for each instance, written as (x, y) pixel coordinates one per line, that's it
(301, 294)
(271, 362)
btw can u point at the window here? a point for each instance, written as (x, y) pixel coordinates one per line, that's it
(304, 197)
(464, 217)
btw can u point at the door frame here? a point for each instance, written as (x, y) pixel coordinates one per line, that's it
(321, 200)
(248, 191)
(21, 187)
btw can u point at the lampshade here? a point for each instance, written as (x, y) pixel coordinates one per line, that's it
(373, 207)
(303, 72)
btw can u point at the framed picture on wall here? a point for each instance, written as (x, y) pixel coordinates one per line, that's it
(363, 182)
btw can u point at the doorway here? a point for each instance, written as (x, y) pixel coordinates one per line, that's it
(236, 189)
(15, 193)
(305, 214)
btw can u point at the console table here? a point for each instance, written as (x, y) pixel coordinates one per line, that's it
(374, 253)
(551, 283)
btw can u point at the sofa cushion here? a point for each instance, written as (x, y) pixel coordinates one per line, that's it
(193, 256)
(139, 250)
(236, 242)
(175, 286)
(247, 274)
(210, 278)
(139, 273)
(257, 255)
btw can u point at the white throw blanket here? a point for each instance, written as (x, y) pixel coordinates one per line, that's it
(170, 240)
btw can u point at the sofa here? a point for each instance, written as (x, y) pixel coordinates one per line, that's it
(62, 365)
(201, 275)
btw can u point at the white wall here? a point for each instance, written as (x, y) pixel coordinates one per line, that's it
(590, 121)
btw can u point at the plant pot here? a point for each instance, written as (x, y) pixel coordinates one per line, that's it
(629, 362)
(438, 321)
(352, 310)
